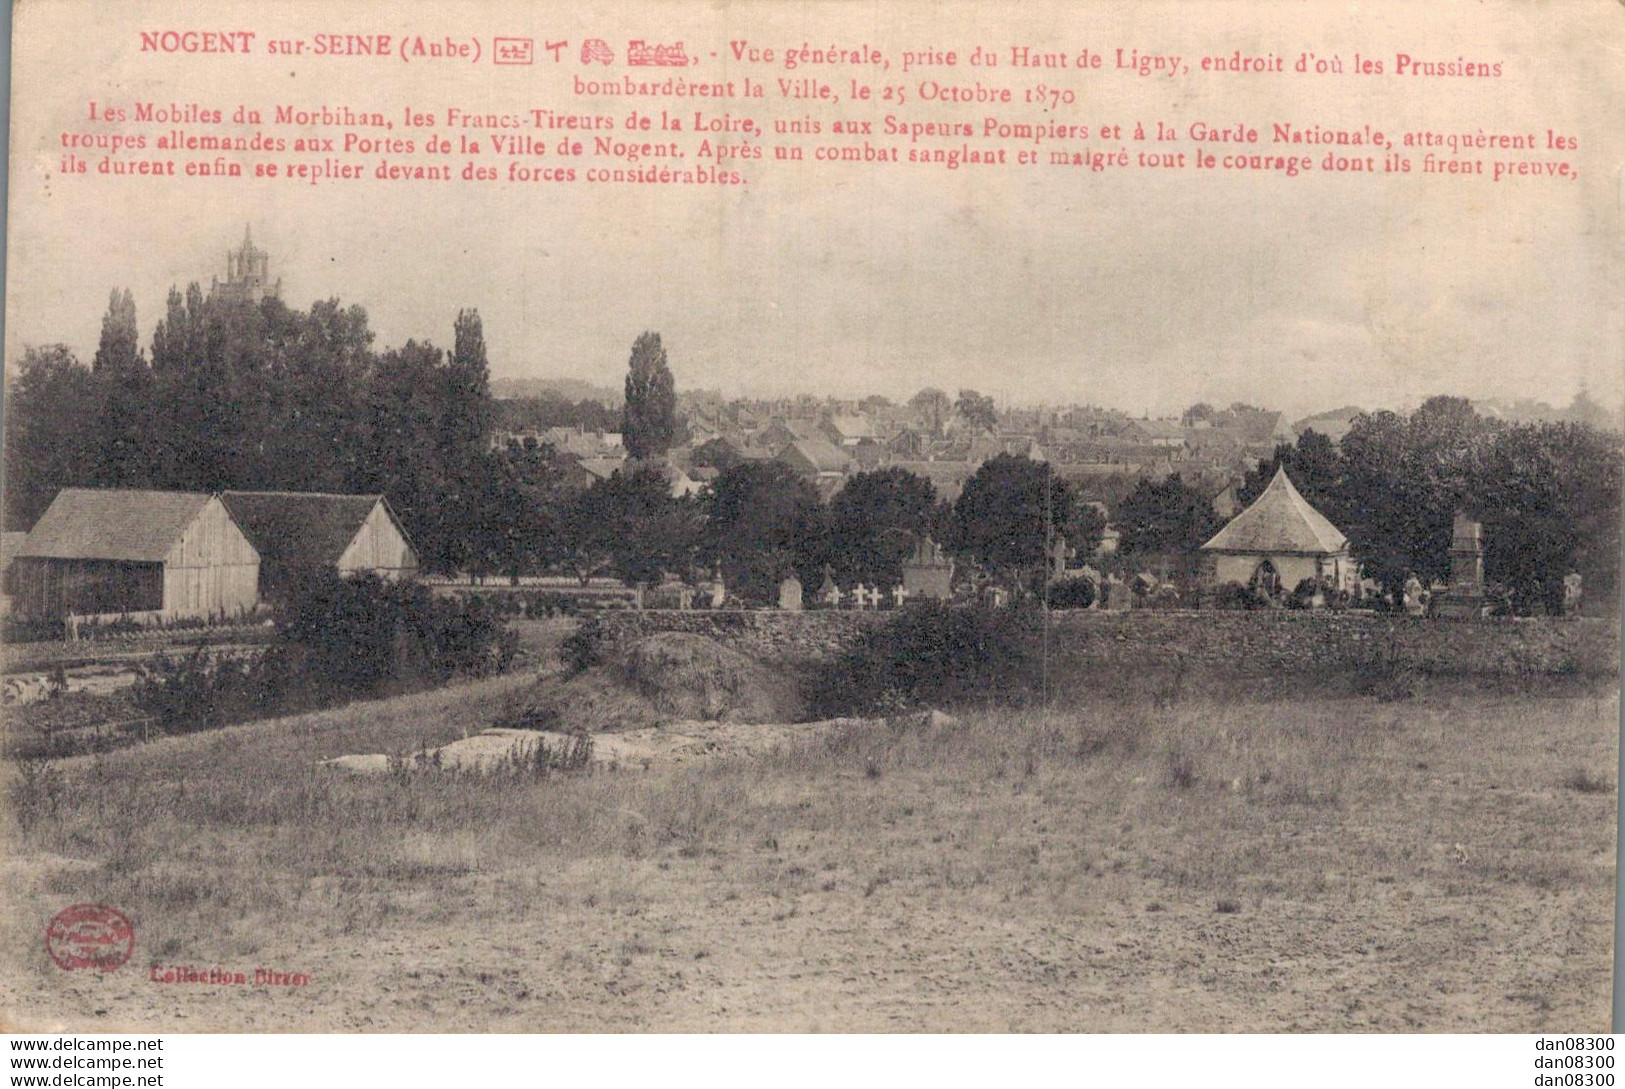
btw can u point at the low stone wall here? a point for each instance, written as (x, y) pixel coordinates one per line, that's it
(765, 633)
(1248, 643)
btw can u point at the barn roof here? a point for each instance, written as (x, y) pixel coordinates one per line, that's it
(112, 524)
(300, 528)
(1279, 520)
(10, 544)
(815, 454)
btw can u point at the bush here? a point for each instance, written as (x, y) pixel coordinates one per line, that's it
(583, 648)
(199, 691)
(1385, 674)
(365, 636)
(1582, 781)
(935, 654)
(36, 792)
(337, 639)
(1235, 596)
(1074, 593)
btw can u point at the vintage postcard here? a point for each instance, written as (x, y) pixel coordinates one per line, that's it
(843, 516)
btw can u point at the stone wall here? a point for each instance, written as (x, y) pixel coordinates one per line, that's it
(1248, 643)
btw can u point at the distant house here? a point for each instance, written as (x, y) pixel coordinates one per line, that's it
(1279, 541)
(848, 430)
(582, 444)
(150, 554)
(818, 462)
(782, 432)
(908, 443)
(297, 533)
(815, 457)
(681, 484)
(600, 468)
(1154, 432)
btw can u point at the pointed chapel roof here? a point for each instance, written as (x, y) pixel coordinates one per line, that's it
(1279, 520)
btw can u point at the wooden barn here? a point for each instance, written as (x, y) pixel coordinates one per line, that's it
(146, 554)
(297, 533)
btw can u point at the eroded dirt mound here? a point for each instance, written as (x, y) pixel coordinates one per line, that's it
(660, 679)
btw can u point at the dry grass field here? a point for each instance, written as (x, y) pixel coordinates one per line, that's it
(1217, 864)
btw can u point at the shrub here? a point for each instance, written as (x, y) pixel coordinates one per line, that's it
(337, 639)
(1179, 766)
(583, 648)
(198, 691)
(930, 653)
(16, 629)
(1074, 593)
(1582, 781)
(1303, 594)
(1235, 596)
(1385, 674)
(36, 792)
(365, 636)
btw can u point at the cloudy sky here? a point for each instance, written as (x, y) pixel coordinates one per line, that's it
(1139, 289)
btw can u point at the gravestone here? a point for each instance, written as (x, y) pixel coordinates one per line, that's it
(790, 594)
(1572, 588)
(898, 596)
(829, 593)
(1414, 597)
(1114, 594)
(860, 596)
(1465, 598)
(928, 572)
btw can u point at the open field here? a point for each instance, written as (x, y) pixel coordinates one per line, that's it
(1301, 862)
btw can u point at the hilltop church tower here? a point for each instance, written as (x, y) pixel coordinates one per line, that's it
(248, 273)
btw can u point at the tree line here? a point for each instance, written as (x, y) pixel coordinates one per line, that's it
(1547, 494)
(257, 395)
(761, 521)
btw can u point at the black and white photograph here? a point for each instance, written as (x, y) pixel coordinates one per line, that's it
(812, 517)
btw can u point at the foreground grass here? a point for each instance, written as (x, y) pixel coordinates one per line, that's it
(1297, 863)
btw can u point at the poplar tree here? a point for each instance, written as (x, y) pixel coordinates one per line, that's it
(649, 423)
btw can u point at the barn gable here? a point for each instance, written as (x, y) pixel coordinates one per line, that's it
(124, 552)
(306, 530)
(381, 544)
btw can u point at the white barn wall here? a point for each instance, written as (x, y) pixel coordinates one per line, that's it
(379, 547)
(212, 570)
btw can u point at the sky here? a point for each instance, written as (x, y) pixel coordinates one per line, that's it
(1141, 290)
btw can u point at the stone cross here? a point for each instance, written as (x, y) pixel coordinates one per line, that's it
(898, 596)
(1058, 554)
(860, 596)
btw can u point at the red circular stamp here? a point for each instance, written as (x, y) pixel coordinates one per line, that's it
(89, 936)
